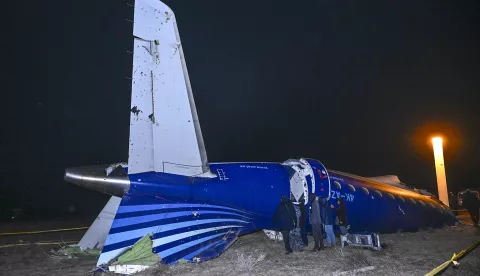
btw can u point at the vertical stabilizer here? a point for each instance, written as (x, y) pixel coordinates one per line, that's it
(165, 134)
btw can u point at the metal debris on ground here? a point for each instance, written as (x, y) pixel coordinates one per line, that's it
(72, 252)
(366, 240)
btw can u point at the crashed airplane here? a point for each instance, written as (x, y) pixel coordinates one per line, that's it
(193, 210)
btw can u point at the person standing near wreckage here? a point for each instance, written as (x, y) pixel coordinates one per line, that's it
(303, 222)
(472, 204)
(295, 234)
(328, 222)
(287, 219)
(341, 219)
(316, 222)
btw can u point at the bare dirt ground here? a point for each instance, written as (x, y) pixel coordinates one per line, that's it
(255, 254)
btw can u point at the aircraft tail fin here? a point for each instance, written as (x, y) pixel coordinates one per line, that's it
(165, 134)
(188, 231)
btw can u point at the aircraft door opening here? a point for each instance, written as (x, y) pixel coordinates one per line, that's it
(301, 177)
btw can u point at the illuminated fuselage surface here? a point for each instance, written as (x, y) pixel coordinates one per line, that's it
(188, 216)
(257, 188)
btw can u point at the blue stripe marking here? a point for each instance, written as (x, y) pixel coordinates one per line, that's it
(169, 210)
(218, 241)
(138, 233)
(149, 218)
(193, 245)
(178, 242)
(191, 228)
(190, 256)
(136, 208)
(160, 222)
(113, 246)
(218, 248)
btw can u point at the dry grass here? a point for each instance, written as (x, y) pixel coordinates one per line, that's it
(255, 254)
(404, 254)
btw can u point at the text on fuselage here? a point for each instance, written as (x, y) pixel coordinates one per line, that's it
(336, 195)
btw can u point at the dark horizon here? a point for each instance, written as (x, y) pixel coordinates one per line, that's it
(359, 87)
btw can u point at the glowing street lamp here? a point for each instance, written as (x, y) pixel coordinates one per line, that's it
(440, 169)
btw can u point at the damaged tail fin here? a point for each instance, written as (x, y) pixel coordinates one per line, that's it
(165, 134)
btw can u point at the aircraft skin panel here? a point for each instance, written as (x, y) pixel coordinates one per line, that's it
(196, 218)
(384, 213)
(193, 218)
(257, 187)
(165, 134)
(197, 233)
(253, 188)
(141, 151)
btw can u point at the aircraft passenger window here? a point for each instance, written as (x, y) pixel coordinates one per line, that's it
(337, 185)
(401, 198)
(413, 201)
(421, 202)
(350, 186)
(365, 190)
(391, 196)
(378, 193)
(431, 204)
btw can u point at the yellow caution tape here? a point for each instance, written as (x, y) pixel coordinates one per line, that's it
(37, 243)
(454, 259)
(43, 231)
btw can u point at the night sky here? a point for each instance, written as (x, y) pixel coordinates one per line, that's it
(358, 85)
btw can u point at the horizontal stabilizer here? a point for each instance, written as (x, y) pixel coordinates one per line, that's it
(98, 231)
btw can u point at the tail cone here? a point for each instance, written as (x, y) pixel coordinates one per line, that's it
(99, 178)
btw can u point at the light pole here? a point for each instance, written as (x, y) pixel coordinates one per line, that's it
(440, 169)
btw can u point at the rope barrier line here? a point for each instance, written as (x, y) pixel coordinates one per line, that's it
(454, 259)
(37, 243)
(43, 231)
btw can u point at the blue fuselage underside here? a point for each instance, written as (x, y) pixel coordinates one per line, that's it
(256, 188)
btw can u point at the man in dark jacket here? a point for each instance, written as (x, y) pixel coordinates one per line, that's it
(303, 222)
(472, 204)
(287, 220)
(342, 216)
(316, 222)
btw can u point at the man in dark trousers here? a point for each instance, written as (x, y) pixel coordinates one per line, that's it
(472, 204)
(327, 220)
(287, 220)
(303, 222)
(316, 222)
(342, 216)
